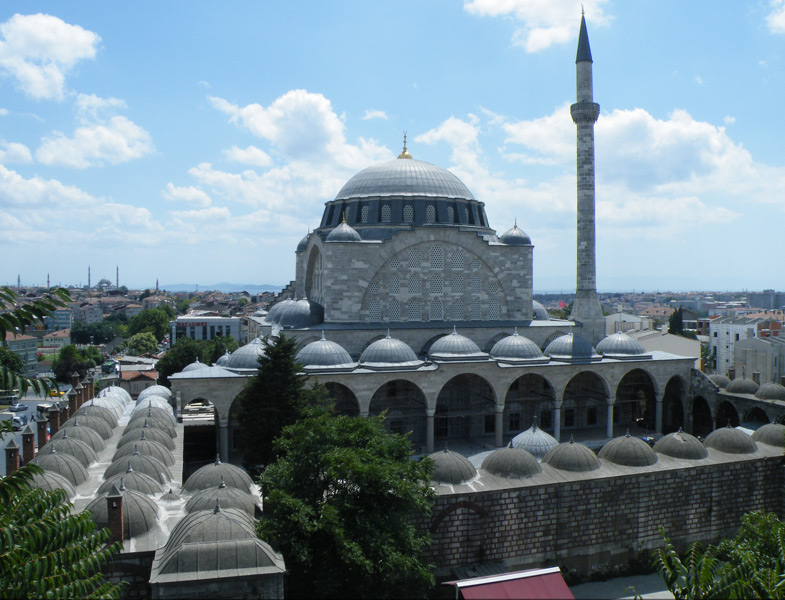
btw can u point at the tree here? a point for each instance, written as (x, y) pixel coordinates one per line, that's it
(154, 320)
(86, 333)
(10, 360)
(47, 550)
(70, 359)
(676, 322)
(142, 343)
(272, 399)
(183, 353)
(220, 346)
(339, 504)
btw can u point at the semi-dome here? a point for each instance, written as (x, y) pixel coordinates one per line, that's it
(132, 480)
(572, 457)
(302, 313)
(301, 245)
(511, 462)
(771, 391)
(273, 313)
(146, 432)
(451, 468)
(148, 448)
(73, 446)
(95, 410)
(247, 357)
(154, 390)
(628, 451)
(742, 386)
(515, 237)
(515, 349)
(211, 476)
(772, 434)
(719, 380)
(194, 366)
(622, 347)
(389, 353)
(324, 354)
(95, 423)
(535, 441)
(62, 464)
(680, 444)
(141, 464)
(140, 513)
(85, 434)
(455, 347)
(731, 441)
(540, 312)
(344, 233)
(50, 481)
(571, 348)
(226, 497)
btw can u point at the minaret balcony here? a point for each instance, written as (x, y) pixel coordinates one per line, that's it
(583, 112)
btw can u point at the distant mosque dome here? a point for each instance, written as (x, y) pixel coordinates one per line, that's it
(300, 314)
(454, 347)
(273, 314)
(221, 362)
(211, 476)
(515, 349)
(303, 243)
(571, 348)
(772, 434)
(621, 347)
(154, 390)
(323, 354)
(389, 353)
(540, 312)
(515, 237)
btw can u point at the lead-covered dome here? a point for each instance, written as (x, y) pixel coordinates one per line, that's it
(451, 468)
(515, 349)
(772, 434)
(515, 237)
(540, 313)
(628, 451)
(389, 353)
(535, 441)
(742, 386)
(511, 462)
(572, 457)
(211, 476)
(771, 391)
(247, 357)
(719, 380)
(680, 444)
(454, 347)
(154, 390)
(344, 233)
(300, 314)
(194, 366)
(621, 347)
(140, 513)
(571, 348)
(324, 354)
(731, 441)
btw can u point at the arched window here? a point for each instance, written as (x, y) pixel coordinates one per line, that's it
(436, 312)
(456, 310)
(414, 310)
(450, 214)
(375, 310)
(436, 284)
(436, 257)
(395, 310)
(476, 283)
(457, 260)
(493, 308)
(408, 213)
(385, 213)
(364, 213)
(415, 284)
(456, 283)
(430, 213)
(476, 311)
(394, 283)
(415, 258)
(493, 287)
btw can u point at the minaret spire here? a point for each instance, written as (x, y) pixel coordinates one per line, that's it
(405, 153)
(586, 308)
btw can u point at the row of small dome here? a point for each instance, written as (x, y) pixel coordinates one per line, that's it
(742, 385)
(517, 462)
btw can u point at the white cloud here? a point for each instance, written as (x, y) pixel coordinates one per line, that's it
(729, 120)
(38, 51)
(250, 155)
(4, 112)
(90, 107)
(117, 141)
(14, 152)
(544, 22)
(188, 194)
(699, 80)
(374, 114)
(776, 18)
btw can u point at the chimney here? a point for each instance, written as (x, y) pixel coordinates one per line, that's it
(11, 457)
(80, 393)
(90, 387)
(74, 378)
(756, 377)
(28, 444)
(731, 373)
(73, 403)
(114, 504)
(54, 421)
(42, 434)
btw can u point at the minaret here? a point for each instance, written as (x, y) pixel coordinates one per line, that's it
(585, 111)
(47, 281)
(117, 277)
(88, 277)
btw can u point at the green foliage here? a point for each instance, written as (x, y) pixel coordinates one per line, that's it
(182, 304)
(340, 502)
(16, 318)
(98, 333)
(564, 312)
(220, 346)
(676, 322)
(47, 551)
(10, 360)
(272, 399)
(155, 320)
(142, 343)
(70, 359)
(185, 351)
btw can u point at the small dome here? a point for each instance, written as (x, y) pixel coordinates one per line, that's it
(572, 457)
(194, 366)
(511, 462)
(273, 315)
(303, 313)
(535, 441)
(246, 357)
(148, 448)
(621, 346)
(154, 402)
(731, 441)
(62, 464)
(680, 444)
(301, 245)
(344, 233)
(516, 349)
(154, 422)
(85, 434)
(139, 482)
(153, 414)
(141, 464)
(226, 497)
(95, 423)
(50, 481)
(95, 410)
(389, 353)
(211, 476)
(117, 392)
(154, 390)
(515, 237)
(571, 348)
(454, 347)
(628, 451)
(140, 513)
(214, 525)
(170, 497)
(771, 391)
(772, 434)
(111, 403)
(221, 362)
(324, 353)
(742, 386)
(73, 446)
(719, 380)
(451, 468)
(150, 433)
(540, 312)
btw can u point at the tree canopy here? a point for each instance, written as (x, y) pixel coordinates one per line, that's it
(676, 322)
(155, 320)
(70, 359)
(97, 333)
(142, 343)
(185, 351)
(340, 502)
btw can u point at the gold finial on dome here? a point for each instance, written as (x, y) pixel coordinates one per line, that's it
(405, 153)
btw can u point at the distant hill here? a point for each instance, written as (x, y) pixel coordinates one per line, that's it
(227, 288)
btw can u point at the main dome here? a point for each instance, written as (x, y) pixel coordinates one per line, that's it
(404, 177)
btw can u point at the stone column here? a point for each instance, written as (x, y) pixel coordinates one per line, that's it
(609, 424)
(114, 504)
(557, 420)
(178, 406)
(430, 414)
(223, 438)
(11, 457)
(499, 425)
(28, 444)
(658, 413)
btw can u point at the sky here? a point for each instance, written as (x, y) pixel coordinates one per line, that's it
(197, 142)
